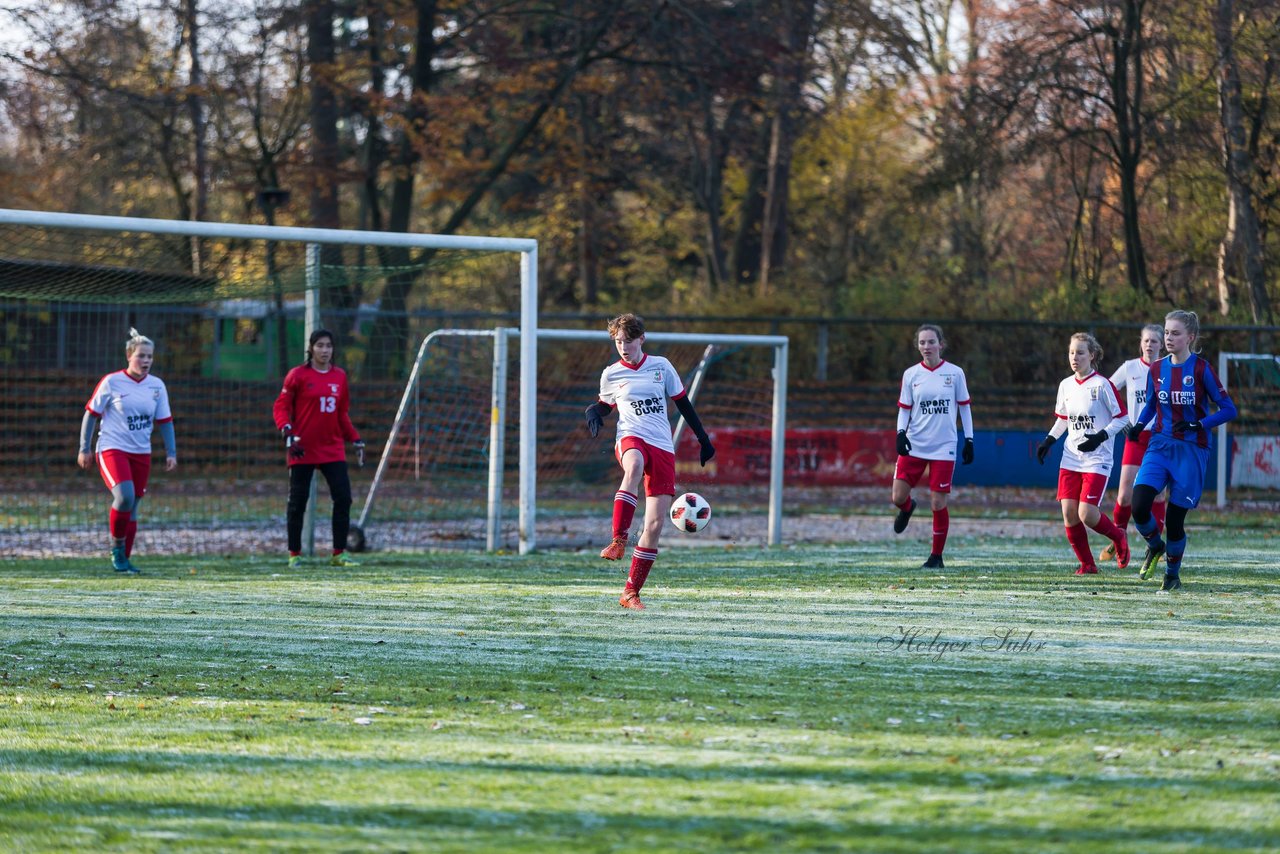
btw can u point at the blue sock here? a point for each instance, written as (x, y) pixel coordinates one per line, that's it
(1173, 555)
(1150, 531)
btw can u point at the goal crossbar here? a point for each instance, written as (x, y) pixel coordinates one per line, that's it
(528, 499)
(313, 238)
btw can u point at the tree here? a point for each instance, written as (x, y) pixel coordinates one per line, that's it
(1243, 239)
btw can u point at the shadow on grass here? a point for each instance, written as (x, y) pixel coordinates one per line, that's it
(942, 823)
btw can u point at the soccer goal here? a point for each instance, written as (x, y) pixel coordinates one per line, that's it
(1253, 381)
(230, 307)
(442, 473)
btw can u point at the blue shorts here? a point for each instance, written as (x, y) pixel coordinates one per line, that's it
(1176, 464)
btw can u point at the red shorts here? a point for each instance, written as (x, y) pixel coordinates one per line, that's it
(1085, 487)
(659, 465)
(119, 466)
(911, 469)
(1135, 448)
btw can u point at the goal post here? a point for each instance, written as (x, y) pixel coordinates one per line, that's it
(430, 393)
(80, 280)
(1262, 362)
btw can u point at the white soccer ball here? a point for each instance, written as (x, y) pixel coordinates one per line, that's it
(690, 512)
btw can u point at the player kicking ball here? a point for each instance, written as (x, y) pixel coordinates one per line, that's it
(637, 386)
(1179, 390)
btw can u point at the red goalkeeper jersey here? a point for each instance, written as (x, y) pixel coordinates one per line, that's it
(316, 403)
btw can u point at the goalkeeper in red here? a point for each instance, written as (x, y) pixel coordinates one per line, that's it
(933, 392)
(638, 385)
(1179, 390)
(311, 414)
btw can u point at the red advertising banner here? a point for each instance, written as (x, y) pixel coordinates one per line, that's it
(812, 457)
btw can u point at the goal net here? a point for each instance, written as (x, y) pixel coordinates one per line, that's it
(444, 477)
(229, 307)
(1249, 446)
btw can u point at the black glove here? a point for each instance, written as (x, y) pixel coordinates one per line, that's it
(1043, 450)
(1092, 441)
(904, 444)
(1187, 427)
(294, 444)
(359, 446)
(966, 453)
(708, 450)
(594, 421)
(1135, 429)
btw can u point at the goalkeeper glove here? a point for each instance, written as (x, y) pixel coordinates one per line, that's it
(904, 444)
(292, 442)
(1187, 426)
(358, 444)
(966, 455)
(1043, 450)
(707, 450)
(1092, 441)
(594, 421)
(1135, 429)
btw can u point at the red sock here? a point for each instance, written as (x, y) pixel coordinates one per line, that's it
(1157, 512)
(641, 562)
(906, 502)
(1122, 515)
(1108, 529)
(624, 510)
(119, 524)
(941, 524)
(1079, 539)
(130, 532)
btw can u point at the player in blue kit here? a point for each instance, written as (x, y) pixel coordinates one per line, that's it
(1179, 390)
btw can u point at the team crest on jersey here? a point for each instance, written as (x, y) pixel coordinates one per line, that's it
(946, 380)
(657, 375)
(333, 388)
(1188, 379)
(1093, 393)
(155, 394)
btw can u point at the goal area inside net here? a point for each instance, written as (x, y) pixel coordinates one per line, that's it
(230, 308)
(443, 476)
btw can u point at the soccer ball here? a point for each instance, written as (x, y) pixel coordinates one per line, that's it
(690, 512)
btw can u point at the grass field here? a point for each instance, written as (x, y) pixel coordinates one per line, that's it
(787, 700)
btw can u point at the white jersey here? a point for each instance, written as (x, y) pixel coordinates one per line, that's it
(129, 409)
(640, 394)
(1087, 406)
(1132, 377)
(933, 396)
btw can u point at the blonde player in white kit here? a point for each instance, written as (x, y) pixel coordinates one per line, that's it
(1090, 412)
(130, 404)
(932, 394)
(638, 386)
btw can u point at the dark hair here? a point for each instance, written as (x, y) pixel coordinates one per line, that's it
(936, 330)
(316, 336)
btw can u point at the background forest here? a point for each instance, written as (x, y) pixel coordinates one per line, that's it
(883, 158)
